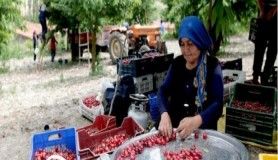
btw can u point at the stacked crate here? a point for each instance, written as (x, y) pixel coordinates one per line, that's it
(161, 65)
(256, 122)
(141, 71)
(235, 76)
(148, 73)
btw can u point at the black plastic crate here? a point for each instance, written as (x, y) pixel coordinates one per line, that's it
(134, 66)
(235, 64)
(254, 93)
(250, 125)
(251, 136)
(251, 116)
(242, 123)
(143, 84)
(254, 25)
(162, 63)
(272, 81)
(159, 79)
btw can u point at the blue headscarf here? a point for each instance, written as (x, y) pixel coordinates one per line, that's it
(192, 28)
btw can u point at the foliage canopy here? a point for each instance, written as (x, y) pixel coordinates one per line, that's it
(9, 20)
(92, 15)
(221, 17)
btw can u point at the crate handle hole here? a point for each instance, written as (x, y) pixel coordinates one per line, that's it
(255, 92)
(235, 74)
(54, 137)
(56, 157)
(144, 79)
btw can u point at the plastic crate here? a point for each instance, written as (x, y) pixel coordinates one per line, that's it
(87, 144)
(101, 123)
(134, 66)
(49, 139)
(161, 63)
(249, 125)
(264, 156)
(254, 25)
(159, 79)
(250, 136)
(232, 64)
(143, 84)
(272, 81)
(250, 131)
(237, 77)
(154, 108)
(90, 113)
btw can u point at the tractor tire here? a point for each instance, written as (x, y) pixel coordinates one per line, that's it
(118, 46)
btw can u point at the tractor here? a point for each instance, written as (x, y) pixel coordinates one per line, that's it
(136, 39)
(124, 41)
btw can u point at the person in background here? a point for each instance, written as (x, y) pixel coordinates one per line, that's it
(266, 38)
(52, 47)
(191, 96)
(35, 44)
(42, 19)
(162, 28)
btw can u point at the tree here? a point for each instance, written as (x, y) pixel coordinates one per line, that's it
(220, 16)
(141, 12)
(86, 14)
(10, 19)
(92, 15)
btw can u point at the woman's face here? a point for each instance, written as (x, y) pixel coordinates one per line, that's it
(189, 51)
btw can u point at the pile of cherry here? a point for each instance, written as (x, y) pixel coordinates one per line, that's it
(252, 106)
(44, 154)
(185, 154)
(110, 143)
(91, 101)
(136, 148)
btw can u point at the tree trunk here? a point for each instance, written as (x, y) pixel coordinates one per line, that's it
(216, 44)
(216, 40)
(73, 45)
(212, 31)
(209, 15)
(93, 51)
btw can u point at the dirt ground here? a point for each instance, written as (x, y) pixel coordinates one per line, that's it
(30, 98)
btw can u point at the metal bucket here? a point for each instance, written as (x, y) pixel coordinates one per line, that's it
(217, 146)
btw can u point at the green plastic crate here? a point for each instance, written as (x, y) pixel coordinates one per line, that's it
(249, 125)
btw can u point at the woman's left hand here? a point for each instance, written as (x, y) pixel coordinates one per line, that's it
(188, 125)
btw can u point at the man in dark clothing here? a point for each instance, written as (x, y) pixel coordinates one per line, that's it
(191, 96)
(42, 19)
(266, 38)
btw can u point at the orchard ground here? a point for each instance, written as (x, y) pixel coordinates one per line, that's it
(31, 98)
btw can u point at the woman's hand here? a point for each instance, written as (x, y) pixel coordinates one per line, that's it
(165, 125)
(188, 125)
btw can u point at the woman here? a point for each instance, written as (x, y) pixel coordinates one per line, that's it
(191, 96)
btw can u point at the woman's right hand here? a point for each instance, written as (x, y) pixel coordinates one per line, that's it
(165, 125)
